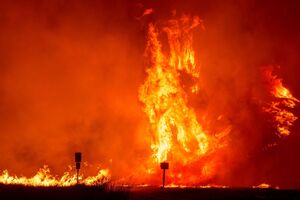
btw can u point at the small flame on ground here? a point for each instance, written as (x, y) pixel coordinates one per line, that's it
(199, 186)
(264, 185)
(44, 178)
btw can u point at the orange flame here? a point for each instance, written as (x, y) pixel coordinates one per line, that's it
(44, 178)
(173, 122)
(178, 136)
(284, 100)
(264, 185)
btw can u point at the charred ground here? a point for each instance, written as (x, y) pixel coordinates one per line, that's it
(103, 192)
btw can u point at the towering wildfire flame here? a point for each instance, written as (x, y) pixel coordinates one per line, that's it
(283, 101)
(174, 124)
(178, 136)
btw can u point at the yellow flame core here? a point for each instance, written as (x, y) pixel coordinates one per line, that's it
(44, 178)
(284, 100)
(173, 123)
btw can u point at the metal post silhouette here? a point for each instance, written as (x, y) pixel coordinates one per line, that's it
(77, 161)
(164, 166)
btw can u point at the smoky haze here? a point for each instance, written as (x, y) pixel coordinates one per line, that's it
(71, 70)
(69, 78)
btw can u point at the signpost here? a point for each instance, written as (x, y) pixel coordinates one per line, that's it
(164, 166)
(77, 161)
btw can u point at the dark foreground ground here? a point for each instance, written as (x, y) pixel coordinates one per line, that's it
(89, 193)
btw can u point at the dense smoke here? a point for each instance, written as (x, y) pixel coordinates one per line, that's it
(71, 70)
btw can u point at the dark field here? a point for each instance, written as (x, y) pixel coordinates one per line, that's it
(89, 193)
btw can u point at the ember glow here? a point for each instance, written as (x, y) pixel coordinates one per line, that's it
(262, 185)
